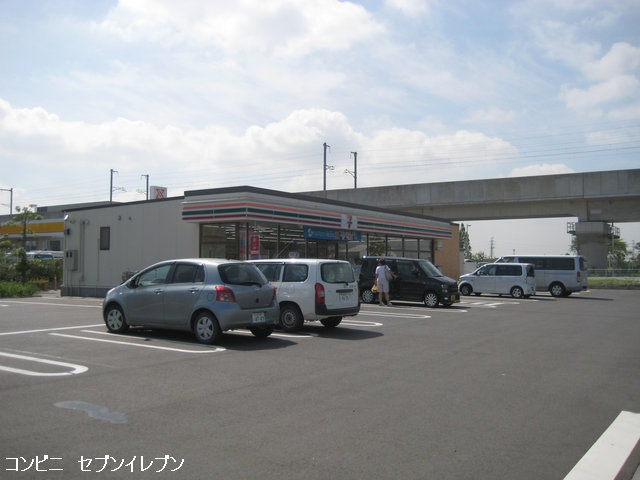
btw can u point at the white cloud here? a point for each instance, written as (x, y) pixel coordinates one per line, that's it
(492, 115)
(283, 27)
(622, 58)
(540, 169)
(285, 154)
(558, 41)
(614, 89)
(412, 7)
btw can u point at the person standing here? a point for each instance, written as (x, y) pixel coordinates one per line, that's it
(383, 277)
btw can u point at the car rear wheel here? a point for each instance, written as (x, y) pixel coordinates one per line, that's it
(466, 289)
(206, 328)
(262, 332)
(331, 322)
(431, 299)
(115, 320)
(517, 292)
(367, 296)
(557, 289)
(291, 319)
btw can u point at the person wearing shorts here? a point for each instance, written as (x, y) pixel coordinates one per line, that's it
(383, 275)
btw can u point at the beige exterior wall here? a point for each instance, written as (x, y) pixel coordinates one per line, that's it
(448, 257)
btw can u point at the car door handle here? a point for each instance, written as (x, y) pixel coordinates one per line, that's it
(157, 291)
(194, 290)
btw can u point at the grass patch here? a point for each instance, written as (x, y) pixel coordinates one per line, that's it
(17, 289)
(613, 282)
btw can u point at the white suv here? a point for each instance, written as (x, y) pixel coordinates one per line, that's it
(312, 289)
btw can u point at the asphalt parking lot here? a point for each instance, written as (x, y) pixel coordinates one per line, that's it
(492, 388)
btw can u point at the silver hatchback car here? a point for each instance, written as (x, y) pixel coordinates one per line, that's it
(204, 296)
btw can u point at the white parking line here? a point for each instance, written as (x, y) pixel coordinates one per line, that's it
(214, 348)
(50, 329)
(50, 304)
(75, 369)
(396, 313)
(360, 323)
(616, 447)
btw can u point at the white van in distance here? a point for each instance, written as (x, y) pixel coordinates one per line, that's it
(560, 275)
(515, 279)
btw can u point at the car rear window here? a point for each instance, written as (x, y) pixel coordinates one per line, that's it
(241, 274)
(270, 270)
(336, 273)
(295, 273)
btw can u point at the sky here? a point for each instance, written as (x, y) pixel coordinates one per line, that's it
(197, 94)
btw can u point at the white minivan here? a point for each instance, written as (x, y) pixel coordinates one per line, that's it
(312, 289)
(515, 279)
(560, 275)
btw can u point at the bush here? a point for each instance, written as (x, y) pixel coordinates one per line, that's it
(38, 270)
(17, 289)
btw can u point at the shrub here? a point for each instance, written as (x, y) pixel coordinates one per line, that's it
(17, 289)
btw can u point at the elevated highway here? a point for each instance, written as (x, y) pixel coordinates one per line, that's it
(595, 198)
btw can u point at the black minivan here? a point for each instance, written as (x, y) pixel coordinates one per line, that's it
(416, 280)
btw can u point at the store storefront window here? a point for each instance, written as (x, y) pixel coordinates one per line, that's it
(411, 248)
(394, 247)
(426, 249)
(291, 243)
(377, 244)
(219, 241)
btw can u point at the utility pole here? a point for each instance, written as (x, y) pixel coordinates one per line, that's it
(111, 185)
(492, 245)
(147, 190)
(354, 174)
(326, 167)
(10, 190)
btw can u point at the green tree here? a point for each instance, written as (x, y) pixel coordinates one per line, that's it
(24, 216)
(618, 254)
(465, 241)
(479, 257)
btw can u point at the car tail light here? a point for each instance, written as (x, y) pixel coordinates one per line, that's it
(319, 294)
(578, 277)
(275, 293)
(224, 294)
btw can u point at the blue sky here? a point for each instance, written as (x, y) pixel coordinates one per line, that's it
(211, 94)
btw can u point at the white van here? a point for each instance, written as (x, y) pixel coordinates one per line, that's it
(516, 279)
(560, 275)
(312, 289)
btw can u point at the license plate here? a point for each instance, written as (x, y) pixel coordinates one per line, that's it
(453, 298)
(258, 317)
(345, 298)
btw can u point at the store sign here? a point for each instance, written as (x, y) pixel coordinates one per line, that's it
(254, 247)
(350, 222)
(319, 233)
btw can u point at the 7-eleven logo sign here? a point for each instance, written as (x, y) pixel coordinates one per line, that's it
(349, 222)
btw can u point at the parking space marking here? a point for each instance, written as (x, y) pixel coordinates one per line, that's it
(75, 369)
(50, 304)
(214, 348)
(395, 313)
(40, 330)
(360, 323)
(616, 449)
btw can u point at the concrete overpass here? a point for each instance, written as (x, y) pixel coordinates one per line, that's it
(595, 198)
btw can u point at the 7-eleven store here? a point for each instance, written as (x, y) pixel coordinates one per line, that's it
(106, 243)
